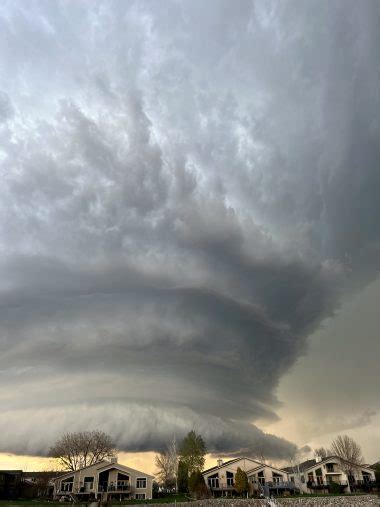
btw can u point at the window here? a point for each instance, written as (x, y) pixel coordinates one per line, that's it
(122, 485)
(213, 482)
(366, 477)
(230, 479)
(140, 496)
(303, 479)
(330, 467)
(141, 483)
(88, 484)
(261, 478)
(67, 484)
(292, 478)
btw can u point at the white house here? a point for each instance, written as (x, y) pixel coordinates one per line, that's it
(105, 480)
(262, 478)
(324, 474)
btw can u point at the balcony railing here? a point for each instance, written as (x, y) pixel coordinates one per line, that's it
(324, 484)
(281, 484)
(115, 488)
(221, 485)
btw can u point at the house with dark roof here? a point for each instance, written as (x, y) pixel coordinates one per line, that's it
(332, 474)
(103, 481)
(262, 478)
(10, 483)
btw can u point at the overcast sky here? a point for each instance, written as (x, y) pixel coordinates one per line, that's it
(189, 222)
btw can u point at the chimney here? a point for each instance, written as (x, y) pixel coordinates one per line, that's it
(220, 462)
(318, 459)
(114, 459)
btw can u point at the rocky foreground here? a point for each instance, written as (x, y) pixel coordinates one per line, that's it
(331, 501)
(327, 501)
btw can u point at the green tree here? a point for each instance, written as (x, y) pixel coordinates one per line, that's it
(192, 452)
(376, 468)
(241, 481)
(183, 477)
(197, 485)
(155, 489)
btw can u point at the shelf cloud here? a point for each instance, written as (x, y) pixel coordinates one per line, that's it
(188, 191)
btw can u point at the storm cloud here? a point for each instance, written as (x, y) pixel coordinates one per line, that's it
(188, 190)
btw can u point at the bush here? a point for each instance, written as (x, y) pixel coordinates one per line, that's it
(334, 488)
(197, 485)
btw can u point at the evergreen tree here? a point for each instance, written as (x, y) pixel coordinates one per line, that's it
(183, 477)
(197, 485)
(241, 481)
(192, 452)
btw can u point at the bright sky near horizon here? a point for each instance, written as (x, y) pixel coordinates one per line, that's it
(189, 224)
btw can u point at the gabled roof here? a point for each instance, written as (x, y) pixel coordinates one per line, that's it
(71, 472)
(39, 474)
(301, 467)
(124, 468)
(103, 465)
(263, 465)
(311, 463)
(222, 465)
(231, 461)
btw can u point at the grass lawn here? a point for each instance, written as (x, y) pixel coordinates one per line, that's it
(166, 499)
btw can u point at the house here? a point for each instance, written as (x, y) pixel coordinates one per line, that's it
(37, 484)
(262, 478)
(105, 480)
(10, 482)
(330, 474)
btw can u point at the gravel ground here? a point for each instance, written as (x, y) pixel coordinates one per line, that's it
(347, 501)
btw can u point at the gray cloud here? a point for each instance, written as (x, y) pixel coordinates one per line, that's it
(187, 193)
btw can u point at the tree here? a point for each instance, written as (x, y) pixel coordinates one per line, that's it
(155, 489)
(347, 449)
(167, 466)
(322, 452)
(197, 485)
(241, 481)
(376, 468)
(77, 450)
(182, 477)
(192, 452)
(259, 455)
(348, 452)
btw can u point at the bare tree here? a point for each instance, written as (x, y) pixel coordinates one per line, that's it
(259, 455)
(347, 449)
(167, 466)
(322, 452)
(77, 450)
(349, 453)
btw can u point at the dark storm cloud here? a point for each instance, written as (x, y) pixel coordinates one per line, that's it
(187, 193)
